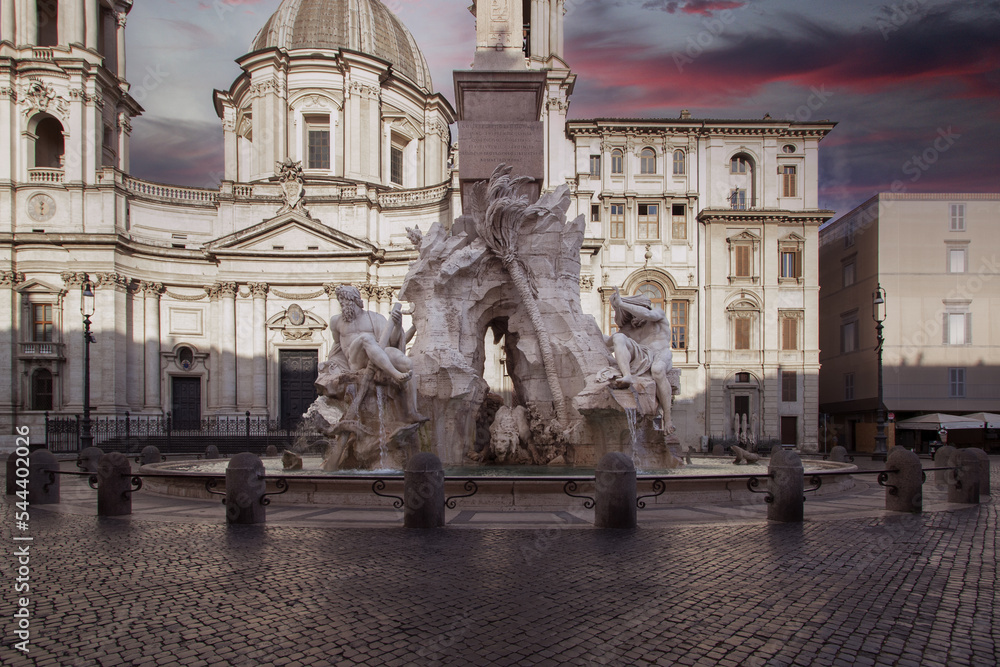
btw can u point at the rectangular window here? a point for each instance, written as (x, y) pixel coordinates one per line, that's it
(318, 140)
(647, 161)
(43, 328)
(678, 324)
(595, 212)
(595, 165)
(848, 386)
(957, 260)
(738, 199)
(789, 386)
(679, 227)
(742, 329)
(849, 337)
(957, 329)
(789, 333)
(396, 165)
(957, 217)
(618, 221)
(956, 383)
(790, 264)
(788, 185)
(849, 274)
(849, 234)
(742, 261)
(649, 221)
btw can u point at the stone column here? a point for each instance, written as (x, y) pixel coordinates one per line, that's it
(8, 341)
(151, 321)
(259, 292)
(615, 504)
(120, 20)
(93, 16)
(245, 486)
(966, 478)
(109, 362)
(423, 492)
(114, 485)
(7, 32)
(904, 489)
(227, 345)
(787, 486)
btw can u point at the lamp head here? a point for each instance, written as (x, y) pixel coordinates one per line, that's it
(87, 300)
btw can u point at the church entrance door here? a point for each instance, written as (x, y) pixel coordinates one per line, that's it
(186, 403)
(298, 389)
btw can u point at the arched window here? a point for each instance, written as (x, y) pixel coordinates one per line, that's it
(617, 161)
(678, 163)
(654, 292)
(743, 196)
(41, 390)
(740, 164)
(647, 161)
(50, 145)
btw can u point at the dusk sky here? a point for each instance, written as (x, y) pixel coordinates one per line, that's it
(914, 85)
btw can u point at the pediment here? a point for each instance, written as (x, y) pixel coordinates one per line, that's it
(745, 235)
(36, 286)
(288, 233)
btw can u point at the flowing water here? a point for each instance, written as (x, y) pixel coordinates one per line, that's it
(383, 446)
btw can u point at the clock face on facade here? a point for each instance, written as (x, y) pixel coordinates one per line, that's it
(41, 208)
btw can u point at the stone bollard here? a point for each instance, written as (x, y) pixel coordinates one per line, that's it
(423, 492)
(211, 452)
(908, 482)
(984, 470)
(42, 489)
(271, 451)
(615, 484)
(718, 450)
(965, 482)
(942, 458)
(88, 459)
(245, 487)
(150, 454)
(787, 487)
(114, 485)
(12, 474)
(839, 454)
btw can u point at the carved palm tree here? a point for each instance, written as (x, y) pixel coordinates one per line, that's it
(499, 212)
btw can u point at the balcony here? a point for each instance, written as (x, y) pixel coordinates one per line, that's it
(42, 175)
(42, 350)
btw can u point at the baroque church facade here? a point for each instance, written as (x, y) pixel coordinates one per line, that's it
(215, 301)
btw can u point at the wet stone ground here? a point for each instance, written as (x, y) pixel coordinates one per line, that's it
(897, 590)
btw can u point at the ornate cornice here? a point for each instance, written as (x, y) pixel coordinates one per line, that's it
(258, 290)
(11, 278)
(114, 280)
(73, 278)
(150, 289)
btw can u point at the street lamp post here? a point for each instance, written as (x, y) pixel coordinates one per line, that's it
(878, 314)
(87, 309)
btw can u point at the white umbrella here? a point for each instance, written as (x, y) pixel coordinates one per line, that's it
(991, 419)
(938, 420)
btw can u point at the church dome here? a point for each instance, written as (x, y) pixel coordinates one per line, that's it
(365, 26)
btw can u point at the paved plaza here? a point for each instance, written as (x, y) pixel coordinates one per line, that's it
(173, 585)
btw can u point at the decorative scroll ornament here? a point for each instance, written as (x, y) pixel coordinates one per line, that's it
(41, 97)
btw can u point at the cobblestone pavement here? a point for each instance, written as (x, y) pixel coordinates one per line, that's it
(880, 590)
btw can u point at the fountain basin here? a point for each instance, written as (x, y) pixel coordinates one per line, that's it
(512, 488)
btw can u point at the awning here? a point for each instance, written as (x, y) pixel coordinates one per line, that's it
(938, 420)
(991, 419)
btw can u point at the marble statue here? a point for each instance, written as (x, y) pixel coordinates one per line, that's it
(642, 345)
(743, 456)
(367, 402)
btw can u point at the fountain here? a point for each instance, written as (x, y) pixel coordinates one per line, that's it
(512, 267)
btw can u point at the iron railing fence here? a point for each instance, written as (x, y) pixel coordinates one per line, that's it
(130, 434)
